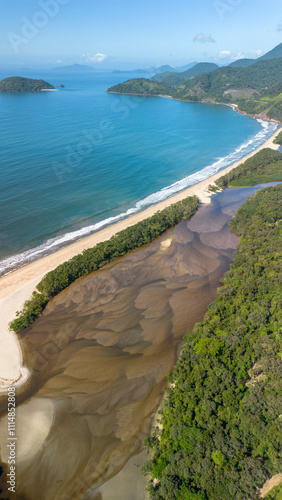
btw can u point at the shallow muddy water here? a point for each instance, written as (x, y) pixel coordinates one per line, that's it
(101, 352)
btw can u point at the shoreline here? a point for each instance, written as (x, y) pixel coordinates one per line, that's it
(19, 260)
(17, 286)
(261, 116)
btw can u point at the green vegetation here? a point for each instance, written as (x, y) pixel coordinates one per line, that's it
(140, 86)
(94, 258)
(220, 426)
(278, 138)
(175, 78)
(275, 493)
(241, 63)
(274, 53)
(219, 84)
(264, 166)
(215, 85)
(254, 86)
(20, 84)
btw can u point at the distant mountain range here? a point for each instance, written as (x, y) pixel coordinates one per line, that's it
(79, 68)
(82, 68)
(200, 68)
(254, 85)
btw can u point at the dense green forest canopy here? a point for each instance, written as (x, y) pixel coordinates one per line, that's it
(220, 430)
(264, 166)
(20, 84)
(94, 258)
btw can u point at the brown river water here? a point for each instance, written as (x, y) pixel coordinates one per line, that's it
(99, 358)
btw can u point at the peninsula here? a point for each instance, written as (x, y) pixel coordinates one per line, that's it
(255, 89)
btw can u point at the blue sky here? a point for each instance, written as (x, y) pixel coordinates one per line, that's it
(131, 34)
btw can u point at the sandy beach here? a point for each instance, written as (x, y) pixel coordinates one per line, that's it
(17, 286)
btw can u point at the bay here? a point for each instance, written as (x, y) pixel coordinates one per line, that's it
(78, 159)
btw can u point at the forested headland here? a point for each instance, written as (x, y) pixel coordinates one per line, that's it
(255, 86)
(220, 431)
(94, 258)
(20, 84)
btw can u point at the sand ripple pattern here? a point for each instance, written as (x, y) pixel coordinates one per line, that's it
(101, 352)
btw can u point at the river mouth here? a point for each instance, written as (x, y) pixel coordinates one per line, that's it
(101, 352)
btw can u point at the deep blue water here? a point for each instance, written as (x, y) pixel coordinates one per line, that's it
(77, 159)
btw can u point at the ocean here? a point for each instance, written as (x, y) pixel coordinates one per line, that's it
(78, 159)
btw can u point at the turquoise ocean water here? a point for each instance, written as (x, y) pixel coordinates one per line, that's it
(78, 159)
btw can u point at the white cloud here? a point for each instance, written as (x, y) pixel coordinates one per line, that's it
(94, 57)
(203, 38)
(232, 56)
(59, 61)
(240, 55)
(224, 54)
(279, 27)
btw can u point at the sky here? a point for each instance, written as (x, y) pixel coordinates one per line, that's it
(129, 34)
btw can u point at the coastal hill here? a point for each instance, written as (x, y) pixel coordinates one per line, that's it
(175, 78)
(241, 63)
(255, 88)
(272, 54)
(20, 84)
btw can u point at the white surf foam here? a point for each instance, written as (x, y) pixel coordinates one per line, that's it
(53, 244)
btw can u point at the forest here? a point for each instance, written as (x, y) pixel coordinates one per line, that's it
(219, 435)
(103, 253)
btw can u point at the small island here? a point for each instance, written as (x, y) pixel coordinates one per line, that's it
(20, 84)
